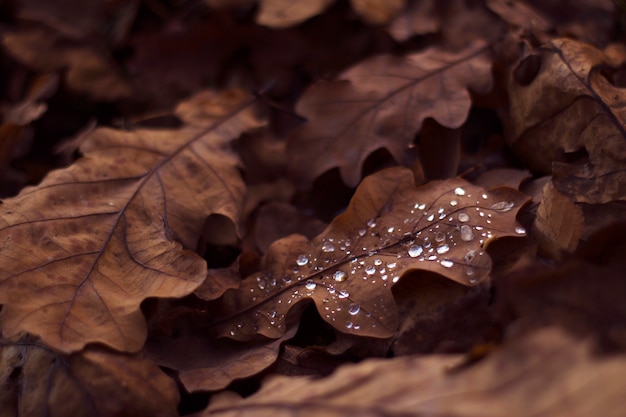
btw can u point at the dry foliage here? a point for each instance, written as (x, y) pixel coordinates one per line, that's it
(218, 207)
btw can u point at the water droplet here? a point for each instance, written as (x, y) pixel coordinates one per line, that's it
(395, 279)
(430, 218)
(371, 223)
(520, 230)
(443, 249)
(286, 279)
(463, 217)
(310, 285)
(232, 332)
(378, 262)
(391, 265)
(343, 294)
(472, 280)
(469, 271)
(272, 314)
(348, 325)
(370, 270)
(340, 276)
(261, 282)
(432, 258)
(330, 290)
(446, 263)
(354, 309)
(356, 327)
(503, 206)
(442, 216)
(440, 237)
(391, 229)
(469, 256)
(415, 251)
(302, 260)
(467, 234)
(459, 191)
(362, 231)
(453, 203)
(328, 247)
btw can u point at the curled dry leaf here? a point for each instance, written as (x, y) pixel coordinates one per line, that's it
(381, 103)
(204, 364)
(84, 248)
(567, 118)
(37, 381)
(389, 227)
(511, 383)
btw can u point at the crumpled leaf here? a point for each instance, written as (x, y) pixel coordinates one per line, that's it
(36, 382)
(567, 119)
(204, 364)
(84, 248)
(511, 382)
(389, 227)
(381, 103)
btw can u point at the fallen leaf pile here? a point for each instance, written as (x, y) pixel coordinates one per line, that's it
(269, 207)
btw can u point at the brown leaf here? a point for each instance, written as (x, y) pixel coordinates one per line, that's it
(204, 364)
(36, 381)
(377, 12)
(88, 70)
(84, 248)
(381, 103)
(512, 382)
(568, 119)
(285, 13)
(389, 227)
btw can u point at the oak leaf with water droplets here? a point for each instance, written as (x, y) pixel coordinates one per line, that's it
(83, 249)
(389, 227)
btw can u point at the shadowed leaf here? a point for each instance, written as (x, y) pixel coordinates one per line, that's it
(381, 103)
(568, 119)
(84, 248)
(38, 382)
(348, 270)
(511, 383)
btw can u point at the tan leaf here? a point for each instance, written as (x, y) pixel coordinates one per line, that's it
(513, 382)
(559, 223)
(568, 119)
(381, 103)
(389, 227)
(84, 248)
(286, 13)
(36, 381)
(377, 12)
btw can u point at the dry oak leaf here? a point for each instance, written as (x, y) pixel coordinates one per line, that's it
(381, 103)
(206, 364)
(512, 382)
(389, 227)
(35, 381)
(567, 118)
(83, 249)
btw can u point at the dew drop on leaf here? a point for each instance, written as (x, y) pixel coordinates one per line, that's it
(354, 309)
(343, 294)
(349, 325)
(464, 217)
(453, 203)
(310, 285)
(415, 251)
(370, 270)
(286, 279)
(459, 191)
(440, 237)
(378, 262)
(371, 223)
(520, 230)
(467, 234)
(362, 231)
(446, 263)
(328, 247)
(443, 249)
(469, 256)
(261, 282)
(391, 265)
(302, 260)
(430, 218)
(340, 276)
(503, 206)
